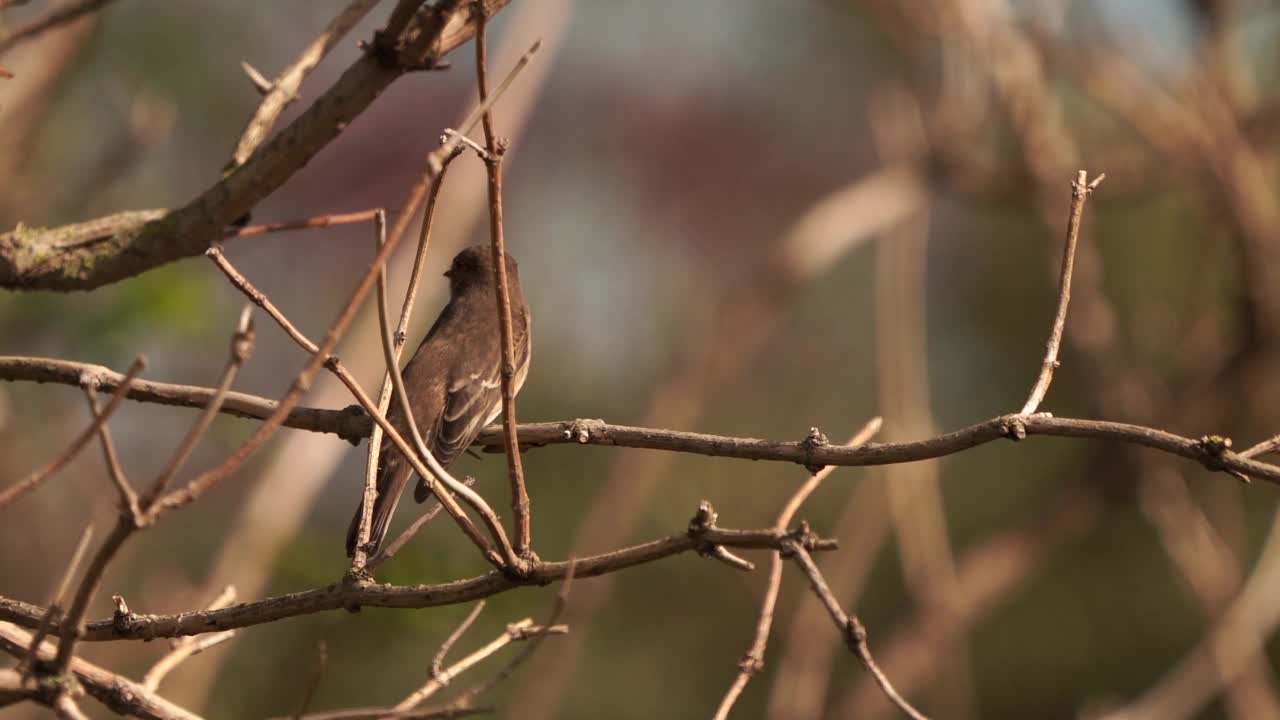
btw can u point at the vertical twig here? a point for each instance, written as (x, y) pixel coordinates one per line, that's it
(445, 484)
(1080, 190)
(493, 164)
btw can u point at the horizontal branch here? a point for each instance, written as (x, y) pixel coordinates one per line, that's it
(353, 595)
(352, 424)
(98, 252)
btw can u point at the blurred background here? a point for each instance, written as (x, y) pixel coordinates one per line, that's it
(747, 218)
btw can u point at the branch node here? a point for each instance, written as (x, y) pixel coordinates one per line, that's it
(580, 430)
(703, 520)
(1213, 451)
(815, 439)
(123, 620)
(751, 663)
(260, 82)
(1015, 429)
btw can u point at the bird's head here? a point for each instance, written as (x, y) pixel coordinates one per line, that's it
(475, 265)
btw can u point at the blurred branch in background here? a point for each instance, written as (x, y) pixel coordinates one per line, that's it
(915, 504)
(999, 104)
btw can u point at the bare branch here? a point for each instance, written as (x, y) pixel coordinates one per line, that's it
(95, 253)
(548, 628)
(437, 662)
(128, 496)
(753, 660)
(16, 490)
(437, 471)
(54, 18)
(855, 635)
(493, 166)
(241, 348)
(189, 646)
(284, 88)
(342, 596)
(1080, 190)
(318, 221)
(117, 692)
(352, 425)
(53, 615)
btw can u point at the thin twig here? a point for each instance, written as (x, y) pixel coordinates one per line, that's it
(32, 481)
(855, 635)
(428, 514)
(1080, 190)
(54, 18)
(384, 396)
(128, 496)
(437, 662)
(1269, 445)
(258, 298)
(127, 523)
(53, 615)
(549, 627)
(437, 471)
(322, 663)
(317, 221)
(753, 660)
(65, 707)
(188, 646)
(521, 630)
(241, 349)
(284, 89)
(493, 166)
(334, 365)
(171, 660)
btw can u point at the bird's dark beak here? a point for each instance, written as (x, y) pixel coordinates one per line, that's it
(448, 274)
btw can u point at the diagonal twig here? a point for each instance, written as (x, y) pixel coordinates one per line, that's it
(52, 19)
(753, 660)
(128, 496)
(54, 614)
(188, 646)
(284, 89)
(855, 635)
(437, 471)
(32, 481)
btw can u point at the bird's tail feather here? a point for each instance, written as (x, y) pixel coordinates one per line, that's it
(393, 475)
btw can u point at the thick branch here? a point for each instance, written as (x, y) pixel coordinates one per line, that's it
(81, 257)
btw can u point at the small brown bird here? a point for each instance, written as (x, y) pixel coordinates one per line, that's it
(453, 380)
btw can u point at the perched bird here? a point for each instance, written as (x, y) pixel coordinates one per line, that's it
(453, 380)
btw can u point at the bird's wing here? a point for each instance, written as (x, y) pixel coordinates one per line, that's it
(470, 403)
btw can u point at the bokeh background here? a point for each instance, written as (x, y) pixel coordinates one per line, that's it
(741, 217)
